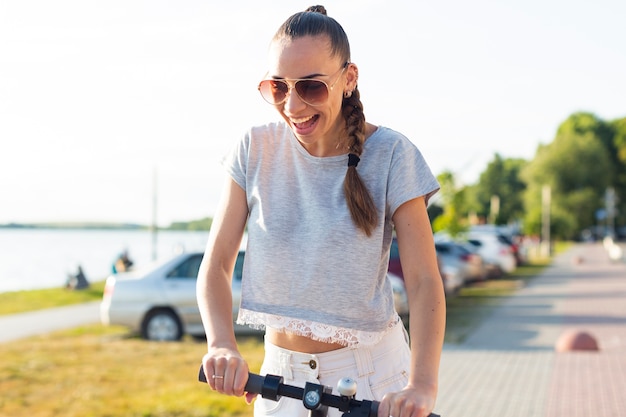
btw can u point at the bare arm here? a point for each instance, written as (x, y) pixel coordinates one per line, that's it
(427, 310)
(214, 293)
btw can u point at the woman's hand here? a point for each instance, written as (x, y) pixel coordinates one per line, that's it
(410, 402)
(226, 372)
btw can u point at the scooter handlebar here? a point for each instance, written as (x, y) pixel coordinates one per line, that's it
(272, 387)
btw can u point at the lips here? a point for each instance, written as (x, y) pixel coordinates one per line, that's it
(305, 125)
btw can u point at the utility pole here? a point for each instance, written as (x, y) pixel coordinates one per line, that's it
(609, 203)
(494, 208)
(153, 226)
(546, 194)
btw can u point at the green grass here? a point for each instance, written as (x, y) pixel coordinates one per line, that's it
(101, 371)
(22, 301)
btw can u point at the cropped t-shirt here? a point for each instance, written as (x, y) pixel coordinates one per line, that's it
(308, 269)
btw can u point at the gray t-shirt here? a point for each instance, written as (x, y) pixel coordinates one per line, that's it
(308, 269)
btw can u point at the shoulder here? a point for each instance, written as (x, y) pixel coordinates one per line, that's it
(388, 141)
(261, 136)
(269, 130)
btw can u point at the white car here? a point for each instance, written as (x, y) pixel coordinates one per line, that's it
(493, 251)
(159, 301)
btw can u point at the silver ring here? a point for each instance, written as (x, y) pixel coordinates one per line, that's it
(218, 377)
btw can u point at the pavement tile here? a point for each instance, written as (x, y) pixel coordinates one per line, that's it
(508, 367)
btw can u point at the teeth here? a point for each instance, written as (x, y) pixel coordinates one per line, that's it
(303, 120)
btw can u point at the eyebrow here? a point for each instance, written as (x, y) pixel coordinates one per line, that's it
(301, 78)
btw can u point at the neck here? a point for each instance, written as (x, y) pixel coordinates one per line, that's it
(333, 144)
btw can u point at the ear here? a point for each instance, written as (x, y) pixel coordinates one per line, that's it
(352, 77)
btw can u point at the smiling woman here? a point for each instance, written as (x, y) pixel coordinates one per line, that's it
(325, 189)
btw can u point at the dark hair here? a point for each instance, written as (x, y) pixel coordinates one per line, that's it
(315, 22)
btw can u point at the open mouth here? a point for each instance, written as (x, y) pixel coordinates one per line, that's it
(305, 125)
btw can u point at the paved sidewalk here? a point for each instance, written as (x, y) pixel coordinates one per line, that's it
(17, 326)
(508, 367)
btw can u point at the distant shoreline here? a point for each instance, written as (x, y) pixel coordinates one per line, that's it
(193, 225)
(89, 226)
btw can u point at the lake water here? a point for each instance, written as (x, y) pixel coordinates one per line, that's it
(42, 258)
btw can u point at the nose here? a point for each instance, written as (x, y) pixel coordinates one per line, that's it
(293, 102)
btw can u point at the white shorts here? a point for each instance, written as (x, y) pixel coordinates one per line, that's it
(377, 369)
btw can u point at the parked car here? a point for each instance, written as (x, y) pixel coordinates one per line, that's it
(394, 260)
(451, 275)
(508, 235)
(469, 263)
(400, 297)
(159, 302)
(498, 255)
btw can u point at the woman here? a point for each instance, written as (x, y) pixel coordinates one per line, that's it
(321, 194)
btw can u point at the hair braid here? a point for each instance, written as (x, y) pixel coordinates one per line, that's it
(360, 202)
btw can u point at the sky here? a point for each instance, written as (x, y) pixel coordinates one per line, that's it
(107, 106)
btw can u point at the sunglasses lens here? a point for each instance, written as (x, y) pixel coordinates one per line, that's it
(312, 91)
(273, 91)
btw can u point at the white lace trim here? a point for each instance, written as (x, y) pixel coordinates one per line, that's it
(314, 330)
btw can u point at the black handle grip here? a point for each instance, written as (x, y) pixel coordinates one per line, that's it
(271, 387)
(255, 383)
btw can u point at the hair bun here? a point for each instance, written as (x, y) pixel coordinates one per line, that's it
(317, 9)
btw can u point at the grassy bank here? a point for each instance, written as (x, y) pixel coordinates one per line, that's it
(22, 301)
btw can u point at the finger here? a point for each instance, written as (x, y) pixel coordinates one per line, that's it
(384, 407)
(217, 378)
(241, 378)
(218, 381)
(250, 397)
(230, 375)
(209, 370)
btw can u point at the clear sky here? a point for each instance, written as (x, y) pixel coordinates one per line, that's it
(98, 96)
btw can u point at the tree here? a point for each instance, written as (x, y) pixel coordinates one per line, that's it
(619, 127)
(619, 140)
(453, 201)
(193, 226)
(574, 165)
(501, 178)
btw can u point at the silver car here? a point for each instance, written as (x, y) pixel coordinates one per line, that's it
(159, 302)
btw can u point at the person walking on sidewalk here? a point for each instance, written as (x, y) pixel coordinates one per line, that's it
(321, 194)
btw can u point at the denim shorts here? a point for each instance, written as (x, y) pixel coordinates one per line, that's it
(377, 369)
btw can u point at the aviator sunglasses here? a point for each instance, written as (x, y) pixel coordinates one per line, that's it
(312, 91)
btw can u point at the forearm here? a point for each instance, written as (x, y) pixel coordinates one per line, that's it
(427, 328)
(214, 287)
(214, 296)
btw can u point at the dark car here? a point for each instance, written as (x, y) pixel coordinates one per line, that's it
(451, 273)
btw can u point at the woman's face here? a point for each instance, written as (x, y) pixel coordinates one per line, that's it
(319, 127)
